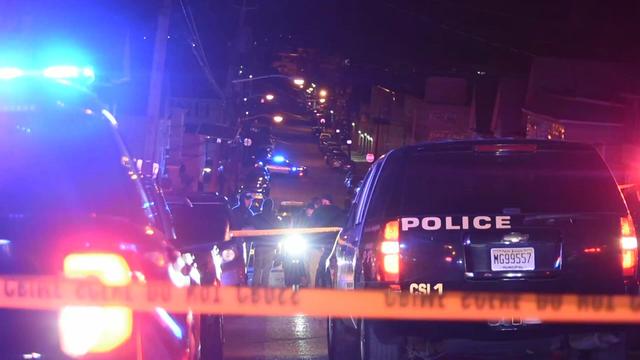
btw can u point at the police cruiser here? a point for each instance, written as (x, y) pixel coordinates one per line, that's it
(487, 215)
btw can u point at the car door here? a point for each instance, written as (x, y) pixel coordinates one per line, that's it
(346, 247)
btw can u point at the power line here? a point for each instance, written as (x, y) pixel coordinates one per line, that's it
(197, 48)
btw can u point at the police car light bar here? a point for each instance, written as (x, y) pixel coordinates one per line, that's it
(10, 73)
(60, 72)
(68, 72)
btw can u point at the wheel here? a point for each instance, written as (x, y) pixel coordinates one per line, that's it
(372, 348)
(342, 342)
(212, 337)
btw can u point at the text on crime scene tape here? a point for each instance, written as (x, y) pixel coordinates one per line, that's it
(52, 293)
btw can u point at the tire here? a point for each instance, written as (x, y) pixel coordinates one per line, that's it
(211, 338)
(342, 342)
(372, 348)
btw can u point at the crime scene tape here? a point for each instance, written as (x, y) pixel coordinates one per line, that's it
(284, 232)
(51, 293)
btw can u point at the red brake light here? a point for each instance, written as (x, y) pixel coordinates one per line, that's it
(390, 251)
(110, 269)
(94, 329)
(505, 148)
(629, 246)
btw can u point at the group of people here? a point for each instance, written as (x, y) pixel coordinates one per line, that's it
(318, 212)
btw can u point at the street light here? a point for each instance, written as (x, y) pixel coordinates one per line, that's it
(269, 97)
(296, 81)
(323, 93)
(278, 119)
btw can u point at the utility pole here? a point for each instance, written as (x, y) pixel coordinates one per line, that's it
(238, 49)
(154, 103)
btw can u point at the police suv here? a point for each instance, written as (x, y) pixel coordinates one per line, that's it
(73, 205)
(486, 215)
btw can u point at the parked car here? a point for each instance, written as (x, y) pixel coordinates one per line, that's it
(353, 178)
(324, 146)
(256, 182)
(339, 161)
(325, 136)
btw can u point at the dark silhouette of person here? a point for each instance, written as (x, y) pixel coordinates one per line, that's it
(241, 214)
(326, 215)
(264, 246)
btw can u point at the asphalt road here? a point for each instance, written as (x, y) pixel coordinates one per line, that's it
(297, 144)
(298, 337)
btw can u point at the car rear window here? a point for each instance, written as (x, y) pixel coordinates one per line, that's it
(485, 183)
(201, 223)
(65, 162)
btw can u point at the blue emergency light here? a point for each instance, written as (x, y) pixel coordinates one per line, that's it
(278, 158)
(58, 72)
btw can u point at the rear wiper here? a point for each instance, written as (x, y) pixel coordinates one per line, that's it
(577, 215)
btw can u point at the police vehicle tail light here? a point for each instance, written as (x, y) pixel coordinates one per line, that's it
(629, 245)
(95, 329)
(390, 251)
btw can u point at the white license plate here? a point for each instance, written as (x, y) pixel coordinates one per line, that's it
(513, 259)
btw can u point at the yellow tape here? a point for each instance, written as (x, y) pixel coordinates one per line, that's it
(50, 293)
(284, 232)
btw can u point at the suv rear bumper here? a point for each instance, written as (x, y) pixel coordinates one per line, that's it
(390, 330)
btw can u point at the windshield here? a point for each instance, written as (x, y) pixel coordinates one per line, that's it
(64, 163)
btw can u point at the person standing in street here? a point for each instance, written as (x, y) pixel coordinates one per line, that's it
(241, 214)
(264, 246)
(326, 215)
(303, 219)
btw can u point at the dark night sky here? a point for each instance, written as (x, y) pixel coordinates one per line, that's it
(401, 37)
(382, 31)
(419, 31)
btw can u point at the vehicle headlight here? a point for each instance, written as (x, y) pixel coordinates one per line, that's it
(294, 244)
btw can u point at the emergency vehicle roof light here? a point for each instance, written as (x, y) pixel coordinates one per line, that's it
(69, 72)
(59, 72)
(10, 73)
